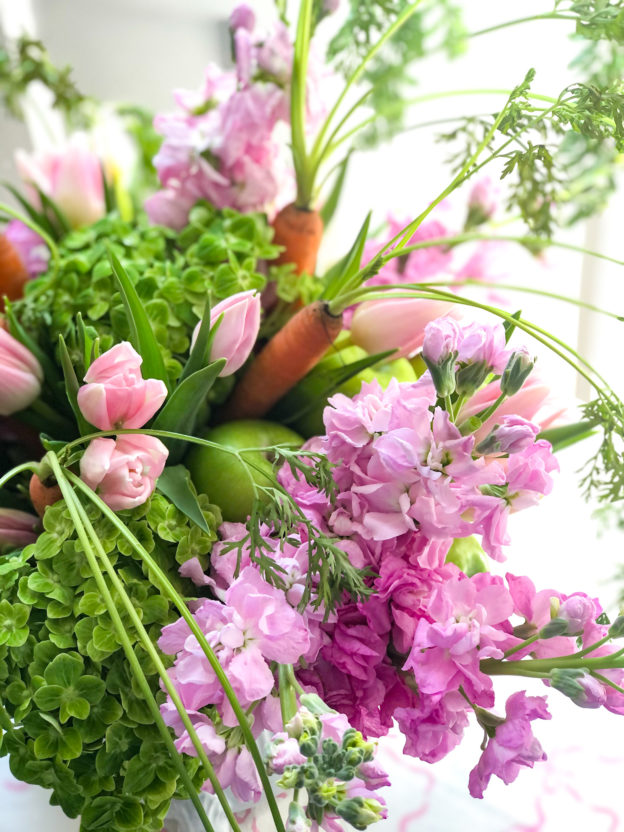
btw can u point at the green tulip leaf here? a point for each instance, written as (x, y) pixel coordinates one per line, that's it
(72, 386)
(141, 332)
(341, 272)
(175, 483)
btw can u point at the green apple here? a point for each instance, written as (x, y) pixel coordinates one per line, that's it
(228, 480)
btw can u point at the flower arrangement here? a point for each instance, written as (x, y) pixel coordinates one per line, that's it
(252, 515)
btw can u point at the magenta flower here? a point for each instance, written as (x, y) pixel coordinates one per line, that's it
(512, 435)
(17, 528)
(123, 471)
(435, 726)
(513, 746)
(237, 331)
(20, 375)
(116, 394)
(31, 248)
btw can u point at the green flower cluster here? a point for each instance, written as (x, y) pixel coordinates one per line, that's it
(174, 273)
(330, 766)
(73, 717)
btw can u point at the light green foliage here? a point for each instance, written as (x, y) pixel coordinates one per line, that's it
(82, 727)
(216, 254)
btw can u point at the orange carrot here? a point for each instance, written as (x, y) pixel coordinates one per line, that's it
(284, 361)
(300, 231)
(13, 273)
(42, 495)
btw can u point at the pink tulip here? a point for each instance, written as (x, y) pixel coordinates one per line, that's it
(71, 177)
(116, 394)
(31, 248)
(395, 323)
(17, 528)
(527, 403)
(20, 375)
(123, 471)
(237, 332)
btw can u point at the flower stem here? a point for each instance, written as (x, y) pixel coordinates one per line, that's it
(521, 646)
(75, 513)
(519, 20)
(25, 466)
(169, 591)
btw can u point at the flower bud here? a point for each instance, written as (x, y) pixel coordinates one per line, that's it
(470, 377)
(242, 17)
(616, 630)
(116, 394)
(297, 821)
(440, 350)
(513, 435)
(360, 812)
(71, 178)
(123, 471)
(578, 611)
(395, 324)
(516, 372)
(17, 528)
(236, 334)
(579, 686)
(554, 628)
(20, 375)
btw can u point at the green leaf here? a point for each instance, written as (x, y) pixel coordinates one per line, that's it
(329, 208)
(64, 670)
(49, 697)
(141, 332)
(566, 435)
(181, 408)
(139, 775)
(71, 387)
(340, 274)
(197, 357)
(175, 483)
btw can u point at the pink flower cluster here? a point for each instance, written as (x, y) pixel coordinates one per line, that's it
(124, 470)
(223, 144)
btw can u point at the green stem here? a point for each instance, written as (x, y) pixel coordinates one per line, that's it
(357, 74)
(496, 667)
(287, 694)
(169, 591)
(38, 230)
(72, 504)
(592, 647)
(298, 105)
(521, 646)
(519, 20)
(25, 466)
(489, 411)
(606, 681)
(160, 667)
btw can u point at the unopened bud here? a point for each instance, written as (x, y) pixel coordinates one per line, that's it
(616, 630)
(579, 686)
(360, 812)
(554, 628)
(516, 372)
(470, 377)
(297, 820)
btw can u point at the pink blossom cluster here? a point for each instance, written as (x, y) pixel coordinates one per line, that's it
(223, 144)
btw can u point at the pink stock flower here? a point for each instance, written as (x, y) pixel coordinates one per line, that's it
(123, 471)
(484, 344)
(70, 177)
(235, 769)
(20, 375)
(31, 248)
(17, 528)
(243, 17)
(510, 436)
(237, 331)
(513, 745)
(116, 394)
(395, 324)
(435, 726)
(442, 338)
(579, 611)
(470, 622)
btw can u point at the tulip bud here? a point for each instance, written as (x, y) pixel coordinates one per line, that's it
(123, 471)
(395, 324)
(237, 331)
(20, 375)
(17, 528)
(71, 178)
(516, 372)
(116, 394)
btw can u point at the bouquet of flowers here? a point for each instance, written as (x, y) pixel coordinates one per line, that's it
(253, 514)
